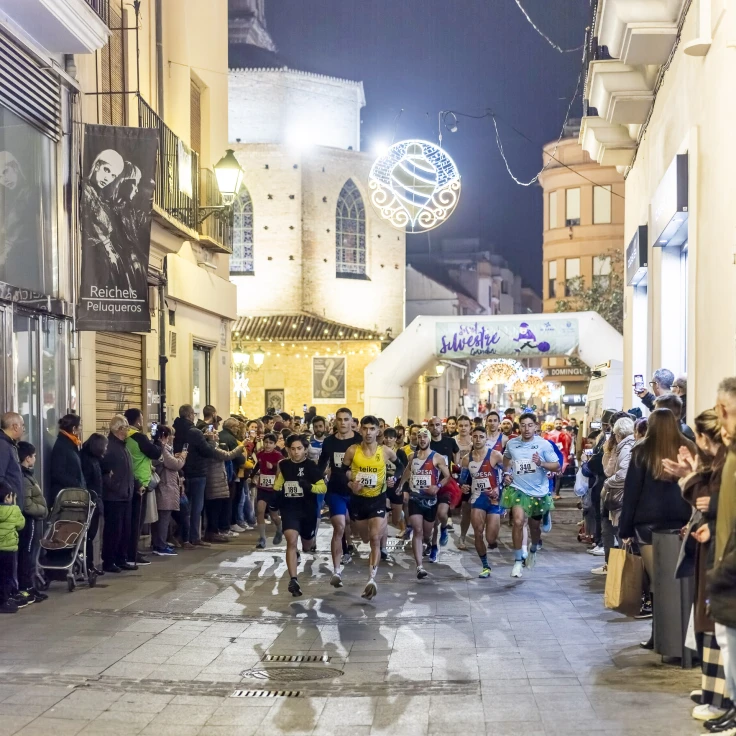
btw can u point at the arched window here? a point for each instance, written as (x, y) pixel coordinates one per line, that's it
(241, 261)
(350, 232)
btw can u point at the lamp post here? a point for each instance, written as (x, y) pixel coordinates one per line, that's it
(229, 177)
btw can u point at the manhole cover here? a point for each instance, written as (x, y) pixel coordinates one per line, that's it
(292, 674)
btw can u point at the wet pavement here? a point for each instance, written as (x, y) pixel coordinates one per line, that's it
(202, 645)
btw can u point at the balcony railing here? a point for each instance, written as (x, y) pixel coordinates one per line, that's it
(177, 171)
(102, 8)
(216, 229)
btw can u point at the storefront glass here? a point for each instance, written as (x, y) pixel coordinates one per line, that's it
(200, 378)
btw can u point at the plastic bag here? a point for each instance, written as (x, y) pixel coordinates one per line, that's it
(581, 484)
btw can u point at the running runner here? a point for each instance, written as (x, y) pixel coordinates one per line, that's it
(265, 472)
(495, 438)
(395, 489)
(411, 445)
(526, 462)
(319, 434)
(480, 477)
(451, 426)
(464, 441)
(331, 458)
(447, 447)
(365, 467)
(426, 473)
(299, 484)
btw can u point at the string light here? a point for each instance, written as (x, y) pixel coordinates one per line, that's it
(543, 34)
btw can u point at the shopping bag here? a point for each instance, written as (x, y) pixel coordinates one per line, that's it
(581, 484)
(150, 508)
(624, 581)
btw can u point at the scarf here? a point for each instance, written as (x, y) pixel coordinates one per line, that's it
(77, 442)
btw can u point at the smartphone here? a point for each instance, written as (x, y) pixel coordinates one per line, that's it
(186, 447)
(595, 425)
(210, 427)
(638, 383)
(304, 407)
(588, 452)
(154, 428)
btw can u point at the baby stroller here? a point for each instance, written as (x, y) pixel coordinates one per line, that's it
(64, 542)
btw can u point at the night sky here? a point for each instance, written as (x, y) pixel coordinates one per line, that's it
(469, 55)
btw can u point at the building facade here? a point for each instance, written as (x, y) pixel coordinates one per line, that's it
(658, 101)
(169, 74)
(309, 249)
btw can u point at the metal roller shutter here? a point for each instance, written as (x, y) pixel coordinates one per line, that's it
(30, 92)
(119, 377)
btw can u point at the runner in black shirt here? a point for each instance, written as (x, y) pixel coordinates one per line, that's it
(448, 448)
(338, 494)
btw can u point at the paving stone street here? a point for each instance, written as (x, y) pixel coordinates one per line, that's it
(179, 647)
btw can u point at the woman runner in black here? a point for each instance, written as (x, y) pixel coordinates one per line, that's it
(299, 484)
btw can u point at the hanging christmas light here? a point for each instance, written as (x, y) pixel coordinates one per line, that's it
(495, 371)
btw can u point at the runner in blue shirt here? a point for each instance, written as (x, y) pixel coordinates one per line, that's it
(526, 461)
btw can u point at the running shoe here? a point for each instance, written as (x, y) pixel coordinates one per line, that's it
(141, 560)
(370, 590)
(23, 598)
(434, 554)
(530, 561)
(346, 559)
(261, 543)
(163, 553)
(407, 534)
(597, 551)
(485, 573)
(336, 580)
(298, 557)
(237, 528)
(602, 570)
(421, 573)
(294, 588)
(384, 555)
(444, 536)
(547, 521)
(426, 550)
(278, 537)
(516, 571)
(707, 712)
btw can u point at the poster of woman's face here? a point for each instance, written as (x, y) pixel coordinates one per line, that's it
(27, 205)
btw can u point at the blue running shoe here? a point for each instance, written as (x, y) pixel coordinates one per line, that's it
(434, 554)
(547, 523)
(485, 573)
(444, 536)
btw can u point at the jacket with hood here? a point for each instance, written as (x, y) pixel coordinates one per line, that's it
(613, 488)
(118, 481)
(11, 522)
(10, 465)
(142, 451)
(199, 450)
(34, 503)
(167, 491)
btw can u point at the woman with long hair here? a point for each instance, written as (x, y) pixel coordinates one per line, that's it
(168, 491)
(652, 500)
(700, 481)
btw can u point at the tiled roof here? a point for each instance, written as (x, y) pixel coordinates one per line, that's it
(298, 327)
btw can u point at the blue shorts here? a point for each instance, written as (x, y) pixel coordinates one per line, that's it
(338, 504)
(484, 503)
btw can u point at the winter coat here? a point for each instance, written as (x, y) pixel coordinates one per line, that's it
(66, 467)
(199, 450)
(217, 485)
(650, 501)
(92, 476)
(168, 491)
(612, 496)
(118, 482)
(228, 441)
(11, 522)
(10, 465)
(34, 503)
(142, 451)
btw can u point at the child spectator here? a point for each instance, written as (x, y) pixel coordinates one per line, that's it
(35, 511)
(11, 521)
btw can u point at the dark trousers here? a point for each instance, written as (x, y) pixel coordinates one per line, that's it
(595, 499)
(235, 490)
(195, 493)
(218, 515)
(160, 530)
(116, 538)
(7, 575)
(94, 526)
(26, 557)
(136, 522)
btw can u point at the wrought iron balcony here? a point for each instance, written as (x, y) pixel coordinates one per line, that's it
(102, 8)
(215, 228)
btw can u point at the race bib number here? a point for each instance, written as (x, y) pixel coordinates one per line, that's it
(293, 489)
(367, 480)
(421, 482)
(524, 467)
(267, 481)
(481, 485)
(337, 458)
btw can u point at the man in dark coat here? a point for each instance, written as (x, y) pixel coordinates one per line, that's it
(11, 430)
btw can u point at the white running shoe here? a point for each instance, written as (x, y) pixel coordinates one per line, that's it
(596, 551)
(517, 569)
(346, 559)
(230, 533)
(370, 590)
(707, 712)
(531, 560)
(602, 570)
(336, 580)
(237, 528)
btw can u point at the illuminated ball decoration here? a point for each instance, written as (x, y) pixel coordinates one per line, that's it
(414, 185)
(494, 371)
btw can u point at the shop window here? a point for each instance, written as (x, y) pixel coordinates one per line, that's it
(602, 271)
(27, 206)
(241, 261)
(572, 207)
(572, 274)
(553, 210)
(200, 377)
(552, 279)
(601, 205)
(350, 233)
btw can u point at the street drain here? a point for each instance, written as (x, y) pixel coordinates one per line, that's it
(266, 694)
(292, 674)
(301, 658)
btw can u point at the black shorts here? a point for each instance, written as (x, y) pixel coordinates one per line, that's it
(300, 519)
(269, 498)
(395, 496)
(428, 513)
(363, 508)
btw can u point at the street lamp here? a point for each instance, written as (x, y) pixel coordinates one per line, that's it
(229, 177)
(240, 357)
(440, 368)
(258, 357)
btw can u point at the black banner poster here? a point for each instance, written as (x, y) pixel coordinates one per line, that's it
(117, 199)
